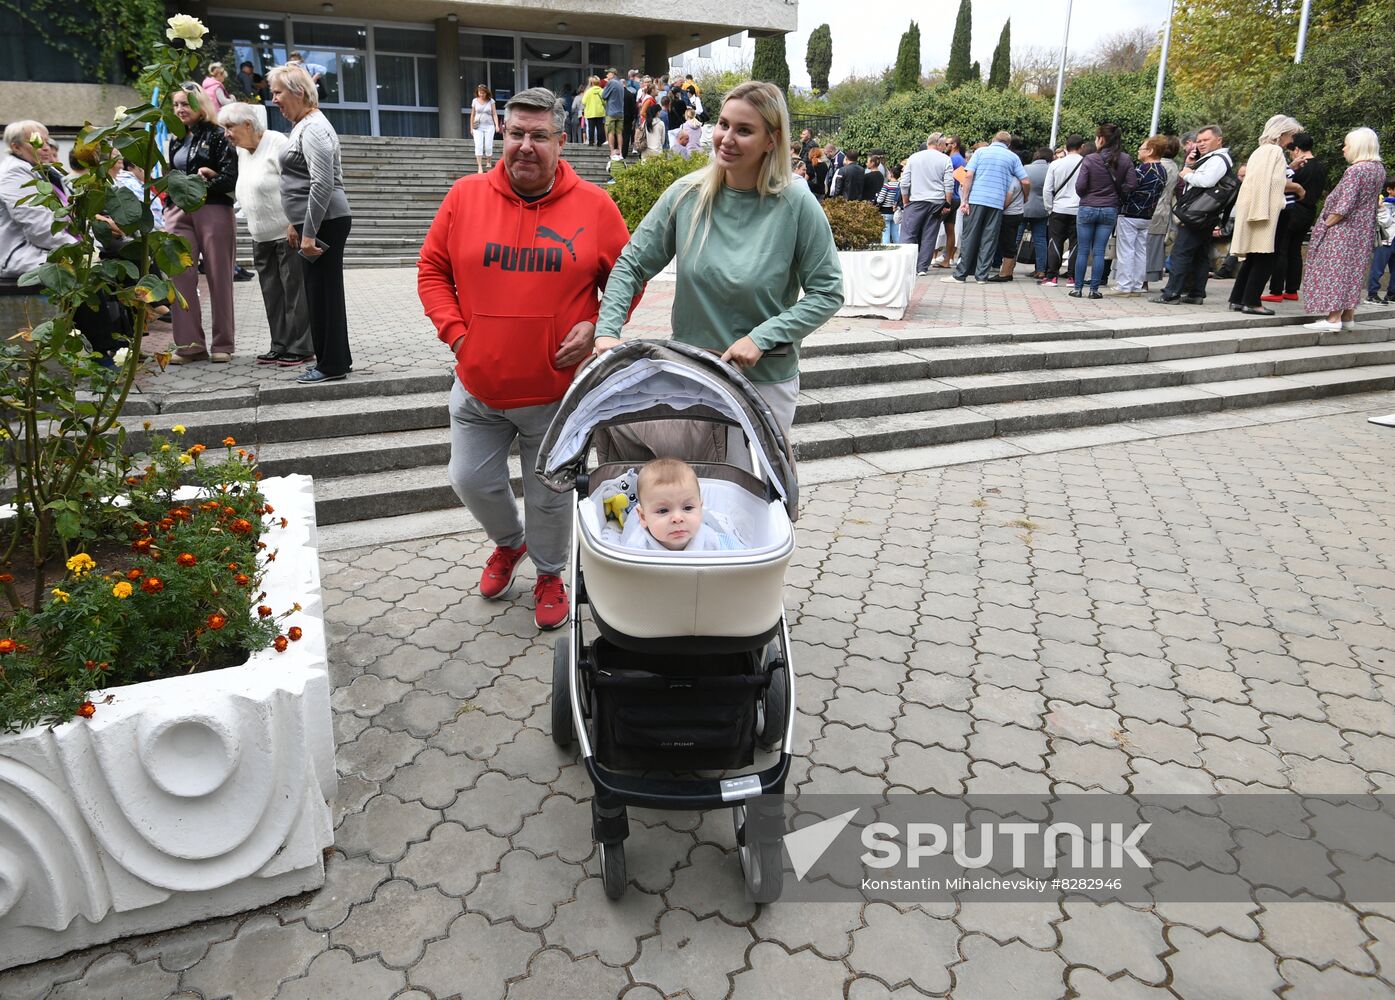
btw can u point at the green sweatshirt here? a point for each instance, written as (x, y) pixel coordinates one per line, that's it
(744, 280)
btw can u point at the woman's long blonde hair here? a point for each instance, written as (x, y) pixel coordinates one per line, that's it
(775, 173)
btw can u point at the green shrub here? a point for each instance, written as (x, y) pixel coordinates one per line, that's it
(856, 225)
(973, 112)
(1126, 99)
(638, 185)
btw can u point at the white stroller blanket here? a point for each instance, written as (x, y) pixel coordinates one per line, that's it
(732, 519)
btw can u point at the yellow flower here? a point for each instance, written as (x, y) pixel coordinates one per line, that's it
(190, 29)
(61, 596)
(185, 459)
(177, 429)
(81, 564)
(121, 591)
(164, 447)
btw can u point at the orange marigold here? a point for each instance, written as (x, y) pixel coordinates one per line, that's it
(187, 559)
(134, 574)
(294, 633)
(232, 566)
(263, 611)
(241, 526)
(284, 522)
(181, 513)
(142, 544)
(7, 646)
(86, 710)
(197, 449)
(152, 585)
(7, 578)
(216, 621)
(268, 509)
(242, 579)
(229, 441)
(166, 523)
(209, 505)
(280, 643)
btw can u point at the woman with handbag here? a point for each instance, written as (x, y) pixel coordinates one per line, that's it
(1344, 239)
(1256, 214)
(210, 230)
(1105, 179)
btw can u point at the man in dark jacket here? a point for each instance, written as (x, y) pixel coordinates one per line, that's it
(847, 183)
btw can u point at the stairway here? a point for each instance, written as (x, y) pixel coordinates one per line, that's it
(378, 447)
(395, 186)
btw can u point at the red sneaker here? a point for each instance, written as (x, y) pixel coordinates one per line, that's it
(1290, 297)
(498, 571)
(550, 600)
(1271, 298)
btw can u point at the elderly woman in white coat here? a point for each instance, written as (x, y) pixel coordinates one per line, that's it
(1256, 214)
(259, 193)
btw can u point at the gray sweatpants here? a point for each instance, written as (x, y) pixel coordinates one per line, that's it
(283, 293)
(480, 437)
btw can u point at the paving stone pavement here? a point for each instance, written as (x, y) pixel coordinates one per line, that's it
(1137, 616)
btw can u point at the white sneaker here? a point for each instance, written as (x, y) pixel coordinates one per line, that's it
(949, 278)
(1348, 324)
(1322, 326)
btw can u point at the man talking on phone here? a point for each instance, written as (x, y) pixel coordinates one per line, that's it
(510, 274)
(1207, 162)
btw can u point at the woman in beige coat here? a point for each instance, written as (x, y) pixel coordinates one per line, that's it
(1256, 214)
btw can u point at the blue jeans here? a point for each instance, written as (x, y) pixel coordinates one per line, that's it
(1093, 227)
(1384, 257)
(891, 229)
(1039, 250)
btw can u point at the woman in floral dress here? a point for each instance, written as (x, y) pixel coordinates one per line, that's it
(1340, 249)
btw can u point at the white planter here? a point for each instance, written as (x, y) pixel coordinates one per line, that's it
(183, 799)
(878, 282)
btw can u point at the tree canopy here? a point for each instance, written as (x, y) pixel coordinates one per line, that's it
(818, 57)
(1000, 69)
(957, 73)
(906, 75)
(770, 63)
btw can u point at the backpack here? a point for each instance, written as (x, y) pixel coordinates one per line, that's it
(1202, 207)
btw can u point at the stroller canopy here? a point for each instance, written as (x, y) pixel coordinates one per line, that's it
(661, 380)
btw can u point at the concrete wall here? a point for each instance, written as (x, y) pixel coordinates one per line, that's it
(63, 106)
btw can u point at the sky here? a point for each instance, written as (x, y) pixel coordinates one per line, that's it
(865, 38)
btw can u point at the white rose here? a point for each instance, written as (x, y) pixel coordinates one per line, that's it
(190, 29)
(119, 358)
(120, 113)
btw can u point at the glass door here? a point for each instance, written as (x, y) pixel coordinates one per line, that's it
(338, 55)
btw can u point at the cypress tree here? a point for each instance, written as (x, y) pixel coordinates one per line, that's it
(975, 73)
(818, 58)
(1000, 70)
(957, 73)
(907, 73)
(769, 63)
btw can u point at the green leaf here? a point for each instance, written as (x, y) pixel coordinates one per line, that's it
(153, 289)
(188, 192)
(125, 209)
(173, 257)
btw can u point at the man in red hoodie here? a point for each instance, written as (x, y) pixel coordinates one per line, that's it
(510, 274)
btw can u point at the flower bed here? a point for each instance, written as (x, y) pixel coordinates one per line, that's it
(178, 799)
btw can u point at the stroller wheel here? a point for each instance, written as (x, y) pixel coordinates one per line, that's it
(613, 869)
(762, 863)
(562, 727)
(772, 711)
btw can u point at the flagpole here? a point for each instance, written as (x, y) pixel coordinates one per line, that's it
(1162, 70)
(1060, 80)
(1302, 32)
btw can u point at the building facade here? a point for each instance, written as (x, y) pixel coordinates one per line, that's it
(407, 68)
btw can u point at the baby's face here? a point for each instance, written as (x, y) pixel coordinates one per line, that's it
(672, 513)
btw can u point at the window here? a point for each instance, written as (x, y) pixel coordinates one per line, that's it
(31, 49)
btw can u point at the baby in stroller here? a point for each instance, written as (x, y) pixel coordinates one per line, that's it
(670, 512)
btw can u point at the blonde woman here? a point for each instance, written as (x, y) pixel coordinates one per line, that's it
(1344, 239)
(747, 242)
(210, 230)
(1256, 214)
(484, 124)
(594, 106)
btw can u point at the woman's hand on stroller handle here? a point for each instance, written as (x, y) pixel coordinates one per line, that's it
(604, 344)
(744, 353)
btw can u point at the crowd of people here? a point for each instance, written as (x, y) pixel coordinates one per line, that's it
(1171, 215)
(636, 112)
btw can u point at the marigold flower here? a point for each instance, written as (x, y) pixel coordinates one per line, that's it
(132, 480)
(216, 622)
(271, 557)
(185, 460)
(86, 710)
(181, 513)
(134, 574)
(284, 522)
(242, 579)
(152, 585)
(295, 606)
(229, 511)
(89, 664)
(294, 633)
(263, 611)
(241, 526)
(61, 596)
(81, 564)
(280, 643)
(165, 524)
(261, 545)
(209, 505)
(186, 559)
(7, 646)
(232, 566)
(7, 578)
(177, 429)
(121, 591)
(268, 509)
(142, 544)
(229, 441)
(197, 449)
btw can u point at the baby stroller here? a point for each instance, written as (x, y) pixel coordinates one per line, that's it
(690, 668)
